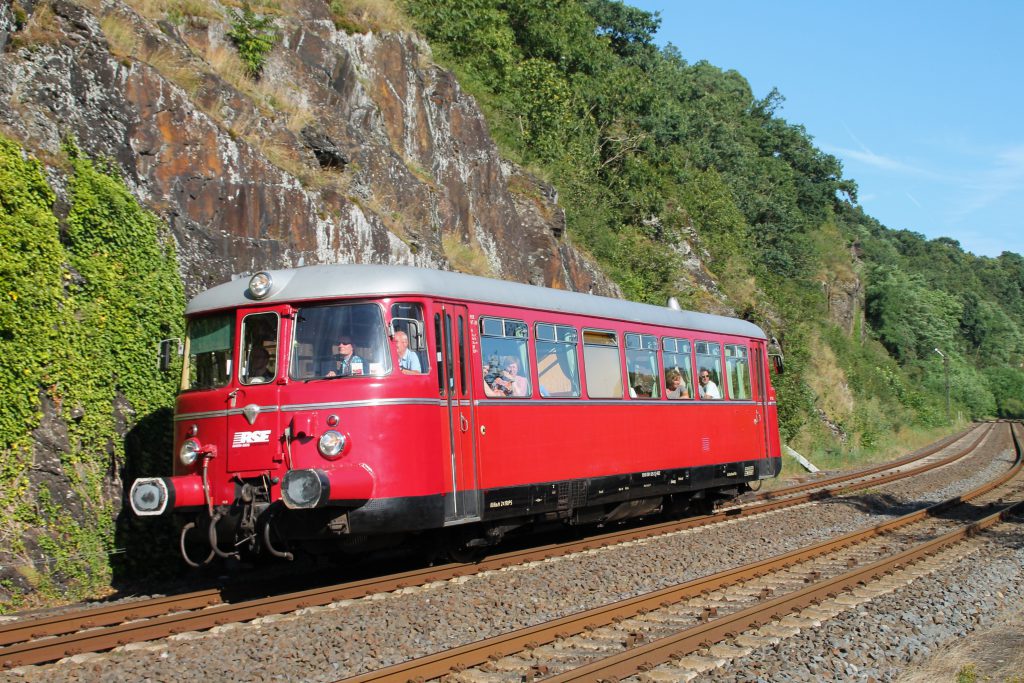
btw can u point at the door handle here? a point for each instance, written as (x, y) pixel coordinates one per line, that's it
(463, 423)
(757, 417)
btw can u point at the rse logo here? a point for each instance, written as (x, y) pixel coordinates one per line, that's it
(246, 439)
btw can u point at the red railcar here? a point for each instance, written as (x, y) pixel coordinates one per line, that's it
(332, 402)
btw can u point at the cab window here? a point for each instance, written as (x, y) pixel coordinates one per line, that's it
(208, 352)
(259, 348)
(408, 338)
(339, 340)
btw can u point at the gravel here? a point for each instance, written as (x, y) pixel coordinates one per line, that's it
(351, 637)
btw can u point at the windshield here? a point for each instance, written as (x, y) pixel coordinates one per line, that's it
(344, 340)
(208, 348)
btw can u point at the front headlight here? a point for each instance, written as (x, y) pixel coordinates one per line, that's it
(189, 451)
(332, 444)
(260, 284)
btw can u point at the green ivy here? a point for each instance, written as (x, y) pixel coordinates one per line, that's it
(79, 322)
(31, 316)
(254, 37)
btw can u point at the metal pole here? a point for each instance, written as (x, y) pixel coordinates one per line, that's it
(945, 368)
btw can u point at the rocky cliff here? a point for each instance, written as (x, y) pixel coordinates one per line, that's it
(349, 147)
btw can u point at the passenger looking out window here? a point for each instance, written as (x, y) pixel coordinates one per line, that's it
(708, 389)
(408, 337)
(408, 362)
(709, 362)
(503, 347)
(674, 386)
(502, 379)
(677, 357)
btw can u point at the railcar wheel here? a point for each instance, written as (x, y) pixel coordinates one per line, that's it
(465, 547)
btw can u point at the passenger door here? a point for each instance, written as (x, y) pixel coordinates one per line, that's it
(254, 430)
(455, 384)
(757, 350)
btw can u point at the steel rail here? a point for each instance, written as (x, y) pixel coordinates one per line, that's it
(475, 654)
(109, 630)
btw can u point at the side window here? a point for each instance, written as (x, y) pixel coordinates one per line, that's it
(506, 369)
(737, 371)
(208, 352)
(259, 348)
(602, 365)
(678, 368)
(409, 338)
(439, 355)
(558, 369)
(642, 365)
(709, 370)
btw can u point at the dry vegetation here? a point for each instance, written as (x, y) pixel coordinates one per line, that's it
(40, 28)
(361, 16)
(829, 382)
(465, 258)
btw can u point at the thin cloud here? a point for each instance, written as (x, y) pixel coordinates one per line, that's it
(914, 200)
(1004, 178)
(868, 157)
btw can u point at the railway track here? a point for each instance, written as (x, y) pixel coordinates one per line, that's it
(97, 629)
(679, 632)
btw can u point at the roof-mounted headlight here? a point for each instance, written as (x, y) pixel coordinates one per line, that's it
(260, 284)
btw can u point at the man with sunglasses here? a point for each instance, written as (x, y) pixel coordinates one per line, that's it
(707, 389)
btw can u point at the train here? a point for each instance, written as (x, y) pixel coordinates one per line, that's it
(338, 406)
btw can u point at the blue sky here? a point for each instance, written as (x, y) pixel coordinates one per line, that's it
(923, 102)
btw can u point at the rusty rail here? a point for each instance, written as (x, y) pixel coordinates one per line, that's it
(633, 660)
(167, 616)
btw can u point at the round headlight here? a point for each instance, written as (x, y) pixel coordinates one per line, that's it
(260, 284)
(189, 451)
(332, 444)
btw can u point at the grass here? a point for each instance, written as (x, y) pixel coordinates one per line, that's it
(40, 28)
(175, 68)
(363, 16)
(194, 12)
(465, 258)
(967, 674)
(890, 447)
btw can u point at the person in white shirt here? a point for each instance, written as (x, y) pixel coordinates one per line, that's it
(408, 360)
(708, 389)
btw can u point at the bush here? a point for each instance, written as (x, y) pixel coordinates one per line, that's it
(254, 37)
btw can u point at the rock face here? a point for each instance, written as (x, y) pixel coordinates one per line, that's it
(350, 148)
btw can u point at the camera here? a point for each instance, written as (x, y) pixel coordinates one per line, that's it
(493, 374)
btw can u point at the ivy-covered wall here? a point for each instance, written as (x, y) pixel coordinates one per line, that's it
(90, 285)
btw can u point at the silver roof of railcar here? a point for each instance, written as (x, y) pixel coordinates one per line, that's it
(350, 280)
